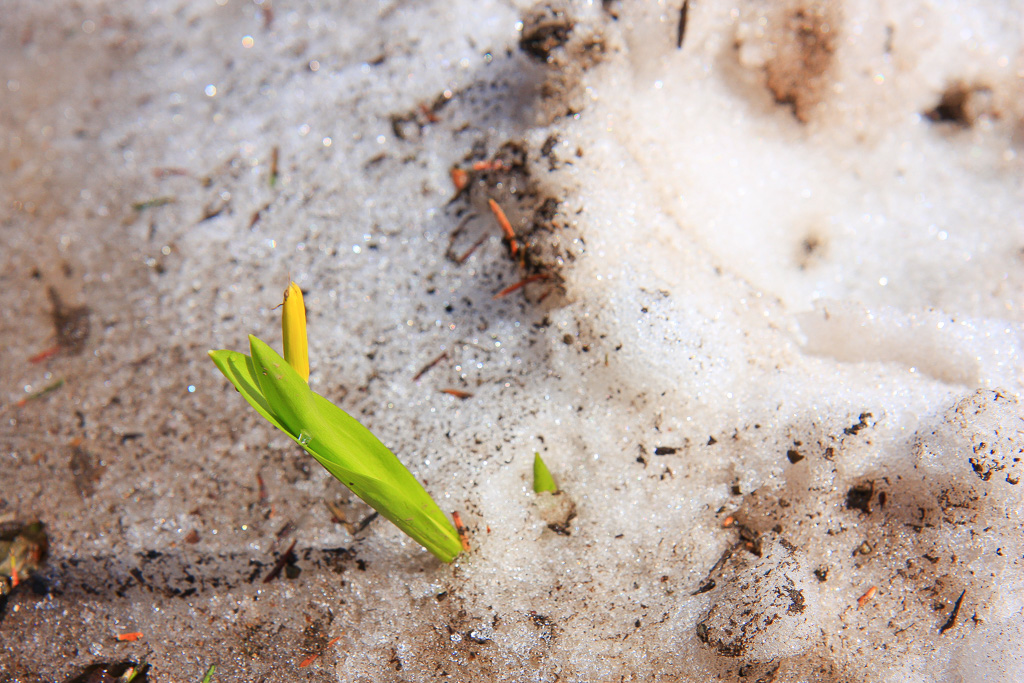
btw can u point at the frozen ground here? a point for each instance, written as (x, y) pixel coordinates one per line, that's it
(773, 354)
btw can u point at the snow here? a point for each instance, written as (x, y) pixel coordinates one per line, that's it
(774, 360)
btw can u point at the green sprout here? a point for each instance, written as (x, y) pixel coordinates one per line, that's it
(346, 449)
(152, 203)
(542, 479)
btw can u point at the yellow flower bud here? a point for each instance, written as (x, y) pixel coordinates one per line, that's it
(293, 325)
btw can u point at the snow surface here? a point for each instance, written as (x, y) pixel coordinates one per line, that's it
(773, 352)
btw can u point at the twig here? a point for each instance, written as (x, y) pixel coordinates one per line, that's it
(455, 234)
(287, 557)
(519, 285)
(469, 252)
(428, 366)
(160, 173)
(681, 30)
(275, 154)
(365, 522)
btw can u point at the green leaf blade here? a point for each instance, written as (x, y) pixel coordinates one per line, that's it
(238, 369)
(351, 453)
(542, 479)
(417, 515)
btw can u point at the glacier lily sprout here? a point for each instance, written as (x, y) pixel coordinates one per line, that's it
(542, 479)
(279, 391)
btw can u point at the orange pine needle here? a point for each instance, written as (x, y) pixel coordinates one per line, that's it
(460, 178)
(457, 393)
(463, 531)
(545, 295)
(503, 221)
(129, 637)
(519, 285)
(159, 173)
(312, 658)
(43, 355)
(428, 114)
(14, 573)
(864, 599)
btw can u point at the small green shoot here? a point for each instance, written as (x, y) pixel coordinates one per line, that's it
(48, 389)
(152, 203)
(344, 447)
(542, 479)
(209, 674)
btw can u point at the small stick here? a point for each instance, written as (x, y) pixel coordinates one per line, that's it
(365, 522)
(339, 516)
(681, 30)
(129, 637)
(455, 235)
(257, 214)
(275, 154)
(262, 487)
(463, 531)
(519, 285)
(159, 173)
(864, 599)
(285, 530)
(281, 562)
(428, 366)
(545, 295)
(469, 252)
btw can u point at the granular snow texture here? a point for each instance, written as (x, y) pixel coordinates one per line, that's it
(767, 336)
